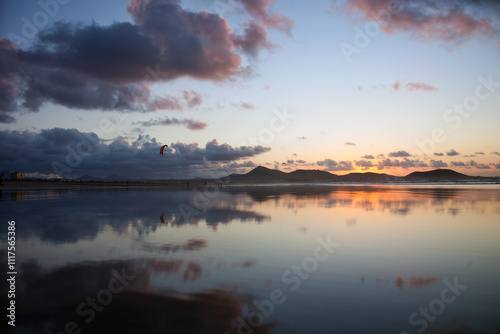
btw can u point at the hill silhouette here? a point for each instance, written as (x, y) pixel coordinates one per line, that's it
(265, 175)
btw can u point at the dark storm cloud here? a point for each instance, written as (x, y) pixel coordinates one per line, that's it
(112, 67)
(454, 20)
(71, 153)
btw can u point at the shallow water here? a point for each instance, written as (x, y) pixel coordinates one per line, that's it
(325, 259)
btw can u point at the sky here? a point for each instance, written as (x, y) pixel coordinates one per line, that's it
(96, 88)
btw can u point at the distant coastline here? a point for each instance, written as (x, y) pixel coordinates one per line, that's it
(262, 176)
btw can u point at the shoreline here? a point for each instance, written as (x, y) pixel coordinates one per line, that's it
(192, 184)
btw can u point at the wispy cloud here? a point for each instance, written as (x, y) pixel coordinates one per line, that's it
(350, 143)
(430, 19)
(189, 123)
(412, 86)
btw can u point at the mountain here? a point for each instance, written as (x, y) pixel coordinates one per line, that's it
(304, 175)
(370, 177)
(439, 175)
(265, 175)
(260, 174)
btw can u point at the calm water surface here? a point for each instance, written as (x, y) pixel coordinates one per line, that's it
(341, 259)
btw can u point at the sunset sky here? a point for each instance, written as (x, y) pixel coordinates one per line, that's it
(93, 87)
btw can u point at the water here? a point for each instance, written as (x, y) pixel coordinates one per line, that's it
(326, 259)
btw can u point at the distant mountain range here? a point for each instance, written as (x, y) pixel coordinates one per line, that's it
(265, 175)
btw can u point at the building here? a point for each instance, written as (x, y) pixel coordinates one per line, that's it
(17, 176)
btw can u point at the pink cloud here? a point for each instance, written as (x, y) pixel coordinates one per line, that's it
(396, 85)
(259, 9)
(192, 98)
(427, 20)
(254, 40)
(164, 103)
(411, 86)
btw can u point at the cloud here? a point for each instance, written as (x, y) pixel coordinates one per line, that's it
(429, 19)
(396, 85)
(470, 164)
(364, 163)
(405, 163)
(254, 40)
(192, 98)
(495, 153)
(497, 166)
(332, 165)
(438, 164)
(439, 154)
(246, 105)
(73, 153)
(189, 123)
(480, 153)
(164, 103)
(259, 9)
(302, 138)
(368, 156)
(399, 154)
(96, 67)
(452, 153)
(458, 164)
(412, 86)
(350, 144)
